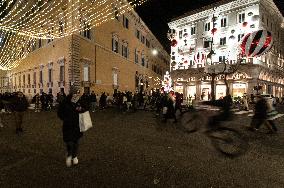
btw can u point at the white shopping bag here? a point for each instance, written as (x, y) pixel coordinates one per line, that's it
(85, 121)
(165, 109)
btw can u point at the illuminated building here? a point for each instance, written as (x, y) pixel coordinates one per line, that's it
(116, 54)
(233, 20)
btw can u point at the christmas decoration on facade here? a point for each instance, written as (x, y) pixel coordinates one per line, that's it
(257, 43)
(174, 43)
(200, 58)
(213, 31)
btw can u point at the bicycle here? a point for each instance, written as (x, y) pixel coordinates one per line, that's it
(225, 140)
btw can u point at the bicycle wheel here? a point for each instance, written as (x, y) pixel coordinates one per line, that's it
(228, 141)
(190, 122)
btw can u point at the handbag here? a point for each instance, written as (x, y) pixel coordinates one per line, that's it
(85, 121)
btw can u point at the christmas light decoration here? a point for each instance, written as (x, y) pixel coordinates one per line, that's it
(24, 22)
(257, 43)
(174, 43)
(200, 58)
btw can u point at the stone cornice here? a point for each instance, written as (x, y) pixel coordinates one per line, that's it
(203, 14)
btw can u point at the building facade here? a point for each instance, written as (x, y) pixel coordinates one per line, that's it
(224, 26)
(115, 55)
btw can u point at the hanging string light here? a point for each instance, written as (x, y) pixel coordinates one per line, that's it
(23, 22)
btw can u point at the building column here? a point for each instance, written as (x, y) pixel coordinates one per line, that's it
(184, 85)
(198, 89)
(251, 84)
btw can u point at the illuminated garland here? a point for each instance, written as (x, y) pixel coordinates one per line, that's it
(25, 22)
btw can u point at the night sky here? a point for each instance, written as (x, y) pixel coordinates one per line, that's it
(157, 13)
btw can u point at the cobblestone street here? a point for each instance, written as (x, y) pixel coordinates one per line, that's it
(132, 150)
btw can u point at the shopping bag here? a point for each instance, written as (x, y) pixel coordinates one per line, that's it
(85, 121)
(165, 109)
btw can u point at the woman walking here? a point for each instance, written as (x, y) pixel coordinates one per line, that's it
(68, 112)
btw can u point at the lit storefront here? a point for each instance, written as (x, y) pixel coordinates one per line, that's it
(233, 33)
(239, 89)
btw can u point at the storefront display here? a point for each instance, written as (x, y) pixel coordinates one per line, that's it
(220, 91)
(239, 89)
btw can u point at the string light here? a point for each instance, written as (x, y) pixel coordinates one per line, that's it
(24, 22)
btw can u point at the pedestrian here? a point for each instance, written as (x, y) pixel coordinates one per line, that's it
(260, 115)
(93, 99)
(36, 100)
(20, 106)
(245, 102)
(68, 112)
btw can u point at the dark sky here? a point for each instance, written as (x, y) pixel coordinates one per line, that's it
(157, 13)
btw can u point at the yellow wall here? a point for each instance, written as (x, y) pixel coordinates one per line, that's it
(96, 52)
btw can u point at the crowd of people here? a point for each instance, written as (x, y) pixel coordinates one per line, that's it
(165, 105)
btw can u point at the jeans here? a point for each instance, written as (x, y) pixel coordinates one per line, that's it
(72, 148)
(19, 119)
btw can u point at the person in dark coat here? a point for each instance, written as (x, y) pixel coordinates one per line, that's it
(260, 116)
(68, 112)
(20, 104)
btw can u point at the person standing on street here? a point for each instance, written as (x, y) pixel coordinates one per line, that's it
(20, 106)
(93, 99)
(68, 112)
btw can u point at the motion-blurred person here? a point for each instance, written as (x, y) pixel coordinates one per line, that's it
(260, 115)
(225, 113)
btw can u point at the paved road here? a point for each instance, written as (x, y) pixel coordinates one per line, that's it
(132, 150)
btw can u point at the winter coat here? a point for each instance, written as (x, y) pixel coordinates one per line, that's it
(260, 109)
(70, 116)
(20, 104)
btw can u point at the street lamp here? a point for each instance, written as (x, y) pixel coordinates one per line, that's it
(154, 52)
